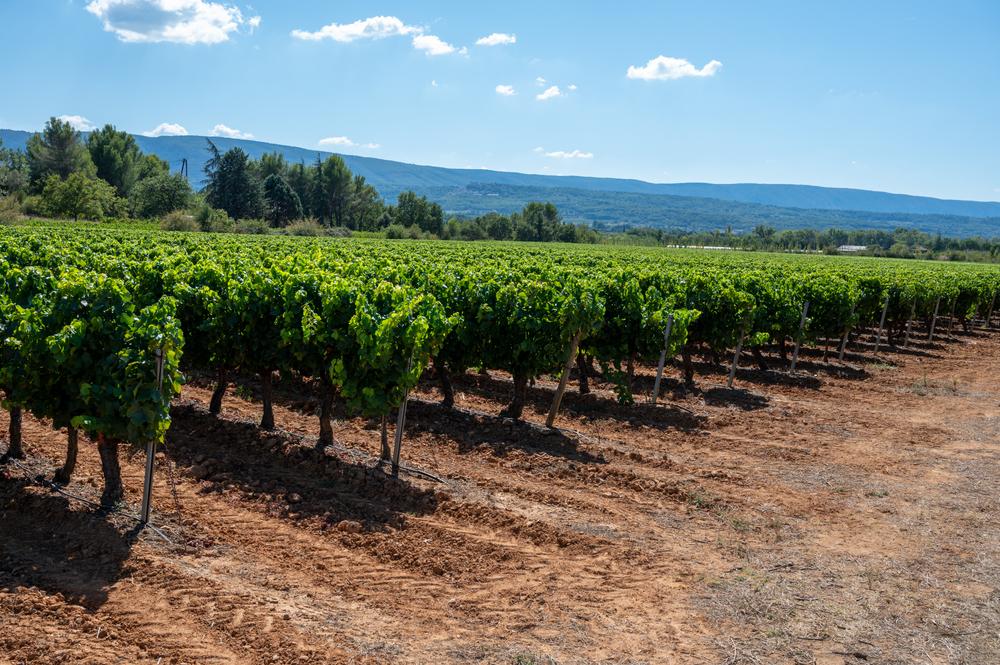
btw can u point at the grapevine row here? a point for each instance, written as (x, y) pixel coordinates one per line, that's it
(82, 314)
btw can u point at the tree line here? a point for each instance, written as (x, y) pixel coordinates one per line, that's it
(898, 243)
(326, 191)
(61, 174)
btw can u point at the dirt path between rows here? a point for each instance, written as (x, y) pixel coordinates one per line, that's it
(845, 515)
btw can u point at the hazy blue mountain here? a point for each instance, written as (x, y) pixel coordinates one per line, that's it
(615, 201)
(618, 210)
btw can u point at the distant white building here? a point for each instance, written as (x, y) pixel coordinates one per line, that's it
(852, 248)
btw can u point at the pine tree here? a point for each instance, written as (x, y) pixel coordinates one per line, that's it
(57, 150)
(281, 203)
(332, 190)
(232, 185)
(117, 158)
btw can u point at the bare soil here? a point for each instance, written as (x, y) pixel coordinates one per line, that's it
(847, 514)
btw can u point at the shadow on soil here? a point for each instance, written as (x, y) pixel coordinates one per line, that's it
(46, 544)
(593, 406)
(737, 397)
(472, 431)
(275, 467)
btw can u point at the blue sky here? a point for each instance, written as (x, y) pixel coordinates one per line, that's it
(895, 96)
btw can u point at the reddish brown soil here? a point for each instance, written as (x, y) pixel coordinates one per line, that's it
(845, 515)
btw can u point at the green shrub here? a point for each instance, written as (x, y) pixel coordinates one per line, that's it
(400, 232)
(33, 206)
(80, 196)
(395, 232)
(211, 219)
(159, 195)
(304, 227)
(338, 232)
(10, 210)
(252, 226)
(179, 221)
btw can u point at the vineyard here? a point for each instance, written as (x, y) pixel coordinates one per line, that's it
(102, 329)
(84, 315)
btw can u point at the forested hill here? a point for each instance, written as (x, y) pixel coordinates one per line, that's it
(611, 201)
(611, 211)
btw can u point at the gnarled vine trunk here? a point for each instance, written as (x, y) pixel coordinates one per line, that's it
(215, 406)
(63, 475)
(688, 367)
(326, 417)
(582, 370)
(267, 419)
(444, 379)
(113, 492)
(516, 406)
(386, 454)
(759, 358)
(14, 448)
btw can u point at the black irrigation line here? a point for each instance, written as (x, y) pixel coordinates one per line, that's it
(41, 481)
(358, 456)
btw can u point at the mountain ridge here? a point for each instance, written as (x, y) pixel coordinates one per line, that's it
(391, 177)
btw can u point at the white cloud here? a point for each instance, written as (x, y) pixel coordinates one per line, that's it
(254, 23)
(540, 82)
(178, 21)
(572, 154)
(345, 142)
(167, 129)
(549, 93)
(434, 83)
(506, 90)
(376, 27)
(663, 68)
(497, 39)
(336, 140)
(432, 45)
(572, 87)
(229, 132)
(539, 149)
(381, 27)
(78, 122)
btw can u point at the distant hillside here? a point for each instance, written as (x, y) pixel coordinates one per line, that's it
(616, 202)
(617, 210)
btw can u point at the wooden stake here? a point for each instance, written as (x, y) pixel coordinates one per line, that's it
(951, 316)
(989, 312)
(563, 380)
(663, 360)
(930, 337)
(798, 338)
(400, 425)
(881, 324)
(736, 356)
(147, 487)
